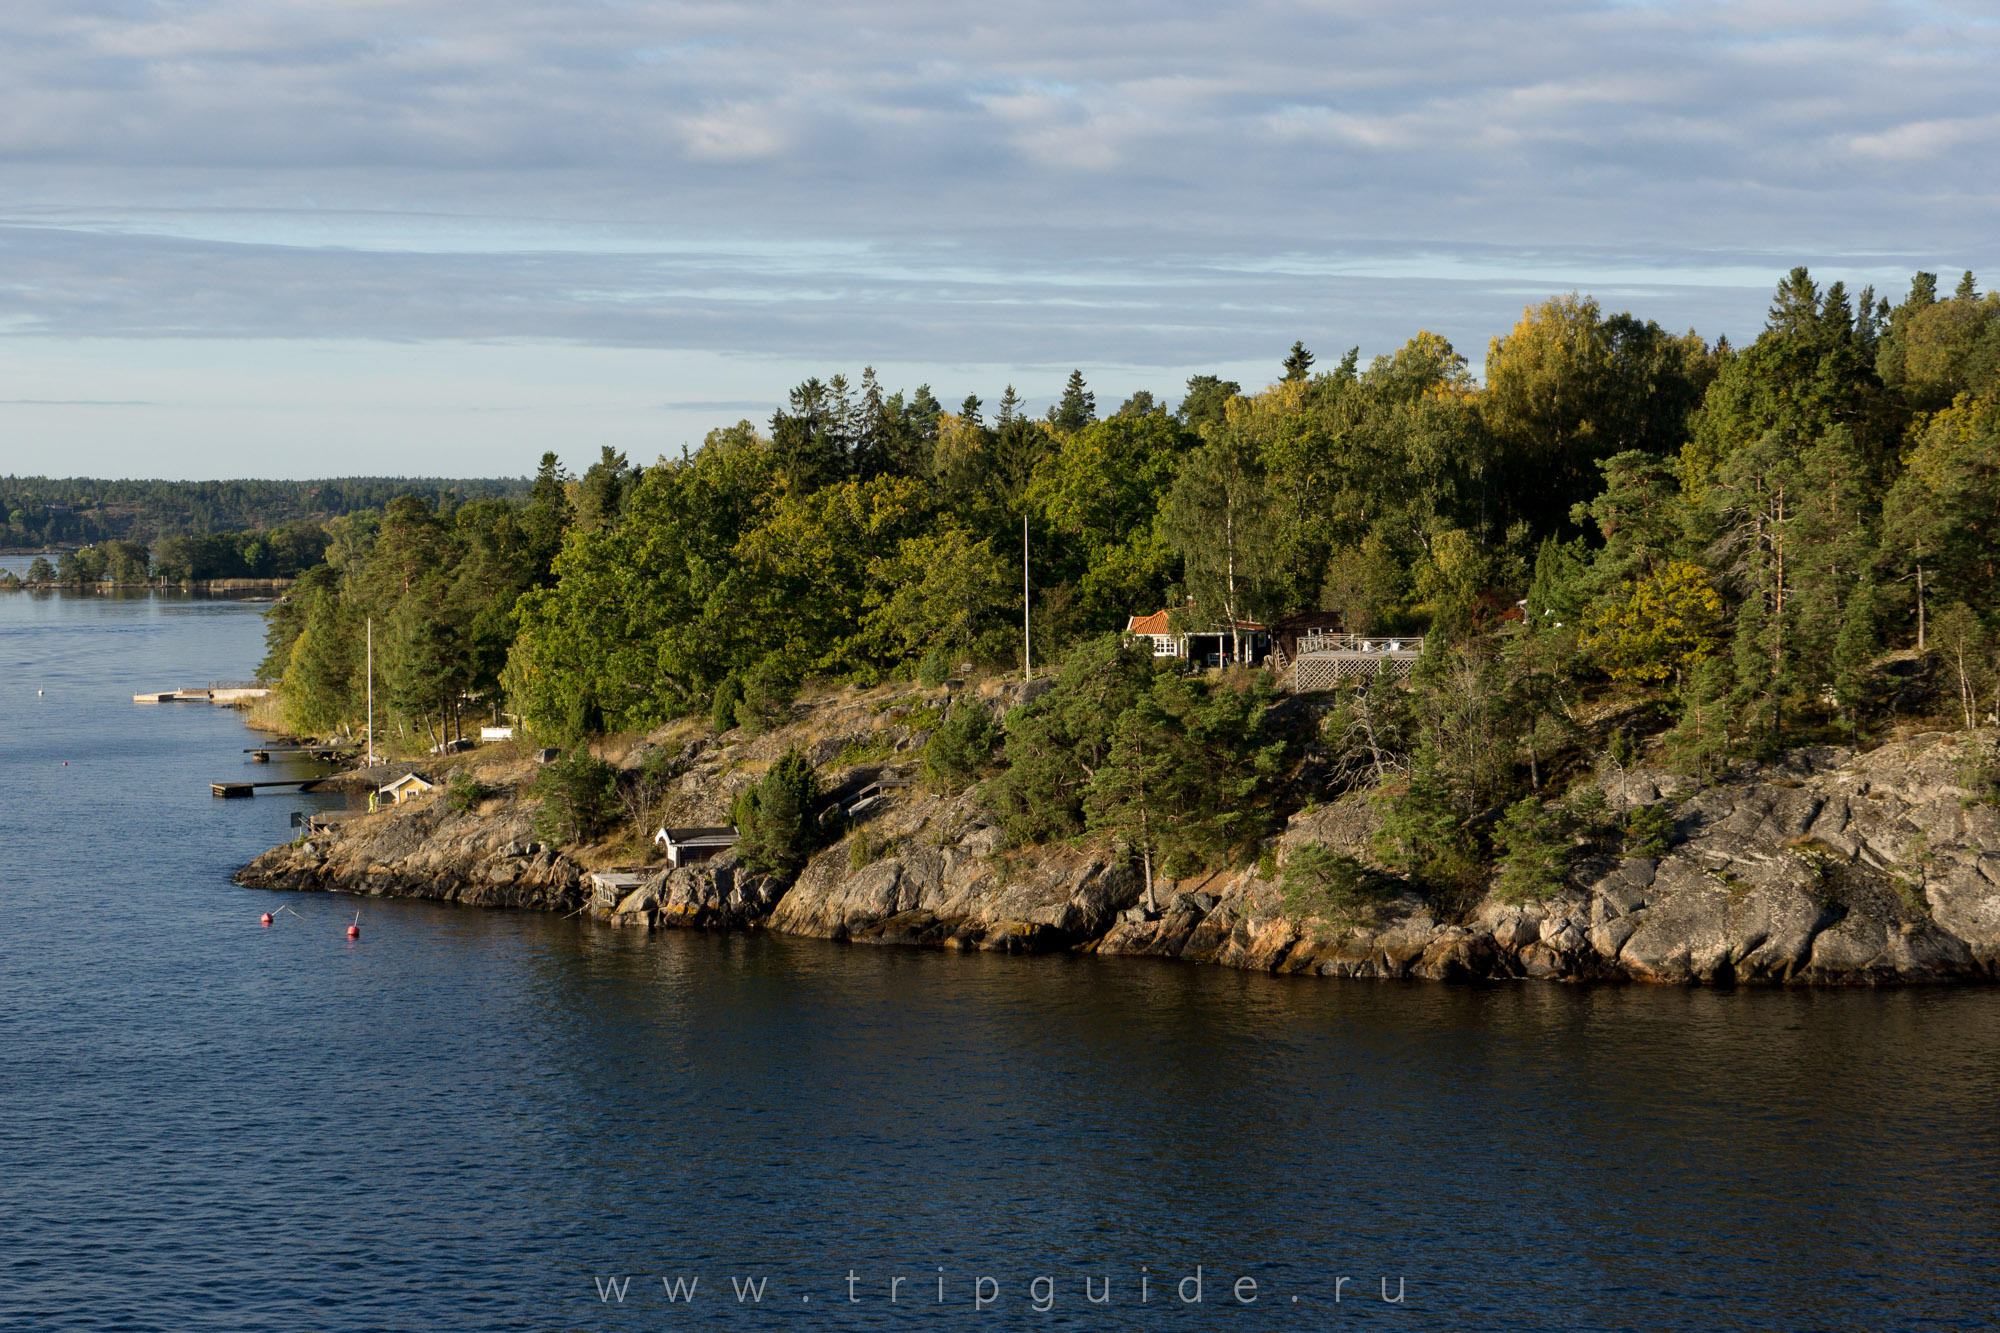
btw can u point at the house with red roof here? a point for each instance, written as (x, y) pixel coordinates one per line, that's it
(1207, 647)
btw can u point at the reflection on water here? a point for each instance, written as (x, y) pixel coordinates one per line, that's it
(473, 1119)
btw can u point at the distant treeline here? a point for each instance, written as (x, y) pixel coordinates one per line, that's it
(83, 511)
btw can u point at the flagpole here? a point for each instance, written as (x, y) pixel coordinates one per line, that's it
(1027, 641)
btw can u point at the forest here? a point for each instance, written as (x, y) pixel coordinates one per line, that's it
(1761, 543)
(52, 512)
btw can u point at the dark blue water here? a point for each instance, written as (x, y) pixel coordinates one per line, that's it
(472, 1120)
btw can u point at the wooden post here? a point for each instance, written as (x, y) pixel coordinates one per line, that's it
(1027, 640)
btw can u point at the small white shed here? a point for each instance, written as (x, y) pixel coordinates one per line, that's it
(687, 845)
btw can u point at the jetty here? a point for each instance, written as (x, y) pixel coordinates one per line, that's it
(261, 754)
(215, 692)
(235, 789)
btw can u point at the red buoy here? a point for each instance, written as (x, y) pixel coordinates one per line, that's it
(354, 932)
(264, 920)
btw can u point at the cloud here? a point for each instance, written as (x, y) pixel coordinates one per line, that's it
(1167, 183)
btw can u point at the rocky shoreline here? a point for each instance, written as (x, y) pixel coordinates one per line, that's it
(1827, 868)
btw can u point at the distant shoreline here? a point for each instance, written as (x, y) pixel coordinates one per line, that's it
(196, 585)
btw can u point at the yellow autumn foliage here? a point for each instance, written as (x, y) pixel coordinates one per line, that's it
(1671, 620)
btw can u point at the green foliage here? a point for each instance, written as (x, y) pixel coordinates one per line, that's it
(1649, 830)
(1425, 835)
(777, 824)
(767, 700)
(863, 849)
(465, 792)
(1322, 883)
(246, 528)
(961, 749)
(1534, 851)
(1170, 769)
(1965, 649)
(1782, 514)
(579, 798)
(934, 670)
(723, 703)
(928, 718)
(1055, 743)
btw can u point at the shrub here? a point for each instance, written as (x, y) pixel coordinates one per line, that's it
(775, 821)
(1534, 844)
(767, 700)
(923, 719)
(722, 708)
(961, 749)
(1591, 815)
(1423, 834)
(1649, 830)
(863, 850)
(579, 798)
(1330, 886)
(933, 670)
(466, 792)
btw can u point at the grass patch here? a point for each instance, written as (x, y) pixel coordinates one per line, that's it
(865, 752)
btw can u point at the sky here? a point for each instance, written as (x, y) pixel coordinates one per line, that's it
(438, 237)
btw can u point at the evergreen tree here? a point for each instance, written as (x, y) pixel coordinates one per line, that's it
(1854, 653)
(1077, 409)
(961, 749)
(604, 489)
(777, 827)
(1298, 363)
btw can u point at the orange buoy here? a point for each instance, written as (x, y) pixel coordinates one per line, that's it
(354, 932)
(264, 920)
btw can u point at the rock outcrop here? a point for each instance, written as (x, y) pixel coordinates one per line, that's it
(1828, 868)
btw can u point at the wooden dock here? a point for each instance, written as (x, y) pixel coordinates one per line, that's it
(215, 692)
(261, 754)
(238, 789)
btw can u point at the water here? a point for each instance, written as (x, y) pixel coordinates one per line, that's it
(470, 1119)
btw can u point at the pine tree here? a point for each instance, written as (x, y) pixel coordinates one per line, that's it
(1298, 363)
(1854, 653)
(1077, 409)
(775, 821)
(1132, 795)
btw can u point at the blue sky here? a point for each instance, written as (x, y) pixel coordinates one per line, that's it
(269, 237)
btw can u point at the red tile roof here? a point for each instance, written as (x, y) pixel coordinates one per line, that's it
(1157, 624)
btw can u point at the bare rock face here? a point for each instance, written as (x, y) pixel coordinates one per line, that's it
(939, 883)
(427, 852)
(1826, 868)
(714, 893)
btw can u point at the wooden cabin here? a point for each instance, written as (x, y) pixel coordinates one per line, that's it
(1202, 647)
(409, 787)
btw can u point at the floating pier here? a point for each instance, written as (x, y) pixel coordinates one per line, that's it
(215, 692)
(236, 789)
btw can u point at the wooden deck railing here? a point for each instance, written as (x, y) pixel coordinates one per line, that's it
(1328, 642)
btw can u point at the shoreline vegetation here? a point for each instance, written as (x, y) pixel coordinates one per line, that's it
(1626, 552)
